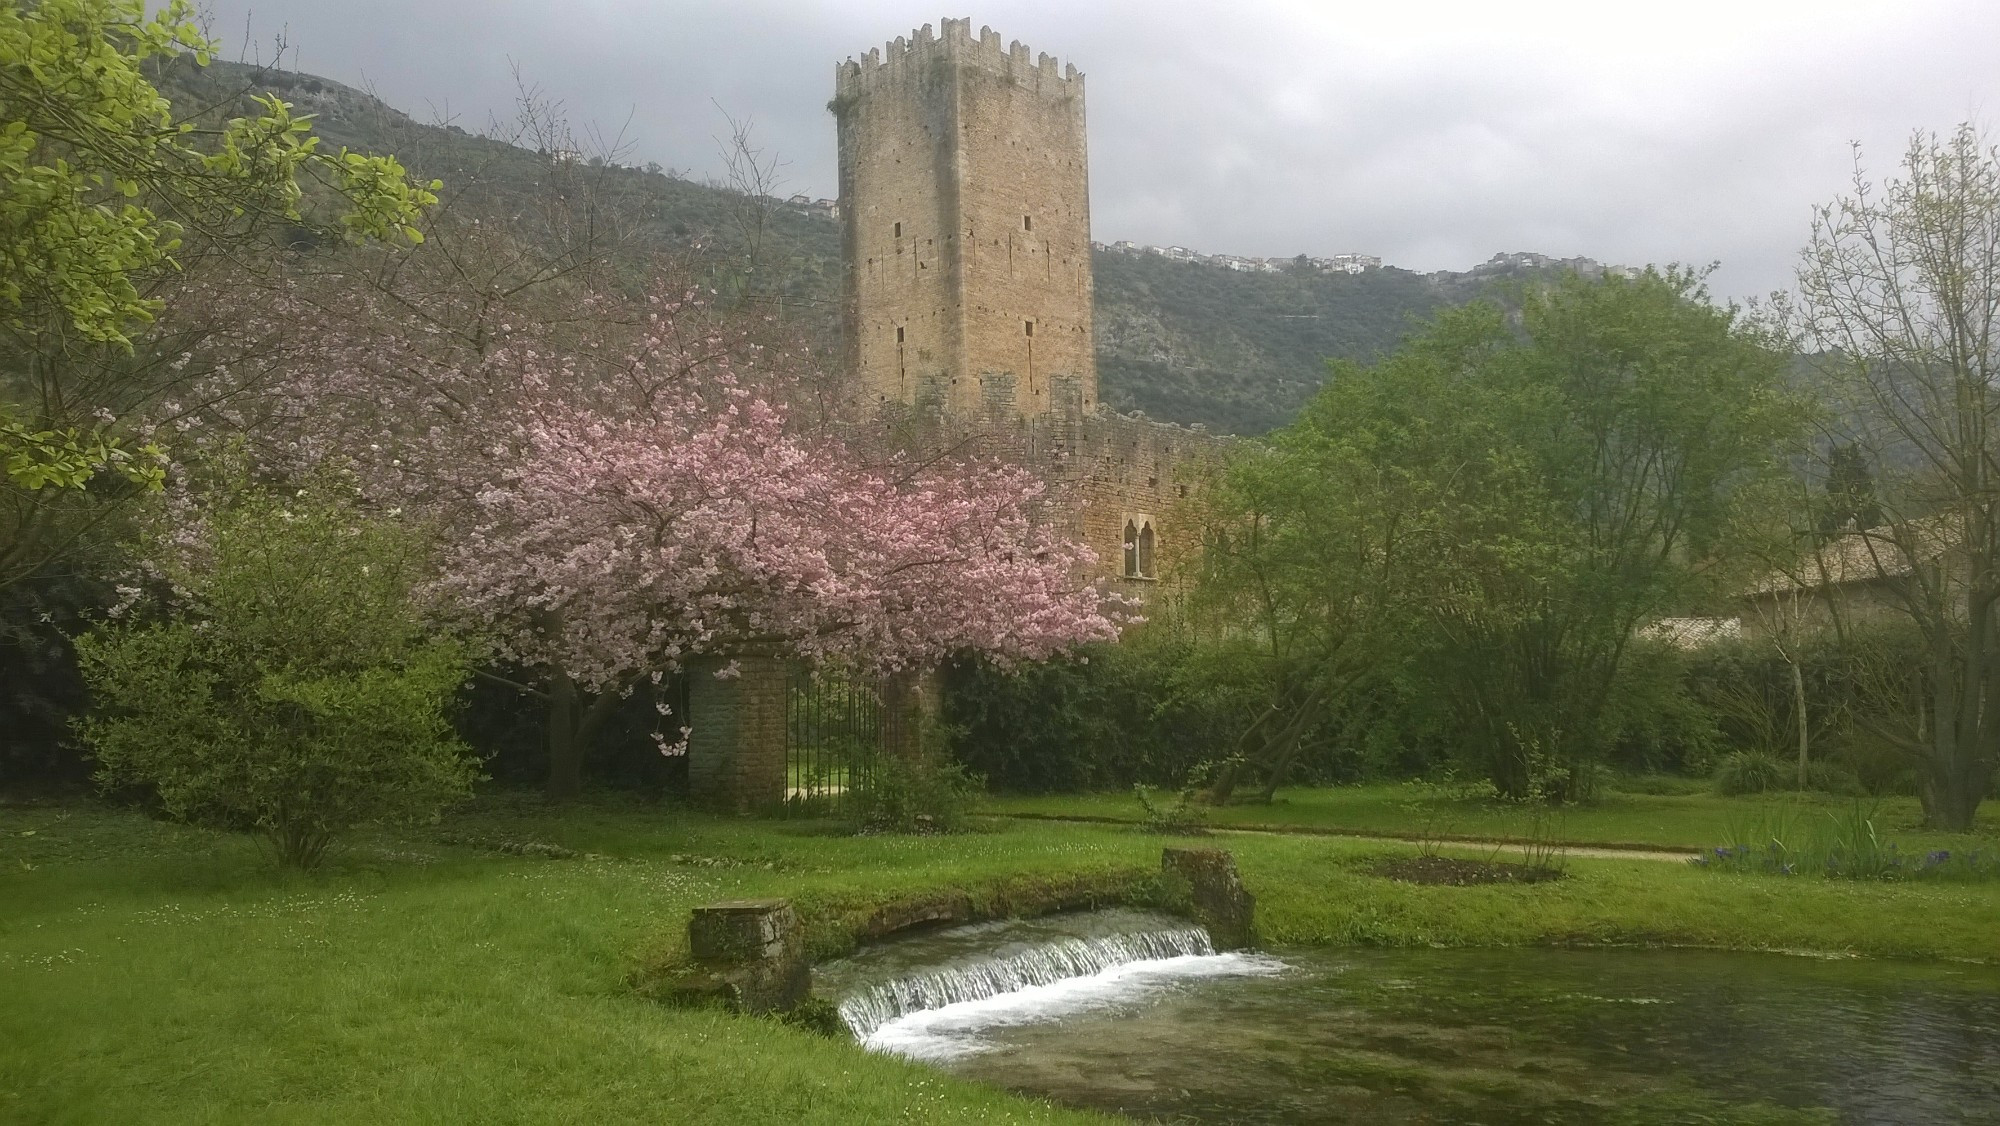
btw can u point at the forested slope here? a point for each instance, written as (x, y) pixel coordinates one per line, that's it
(1187, 342)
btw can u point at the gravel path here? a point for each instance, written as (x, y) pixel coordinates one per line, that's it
(1461, 845)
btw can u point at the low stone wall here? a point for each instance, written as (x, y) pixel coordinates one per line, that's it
(749, 956)
(756, 955)
(1215, 894)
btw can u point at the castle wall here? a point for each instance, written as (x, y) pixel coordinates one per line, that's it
(965, 203)
(966, 224)
(899, 211)
(1127, 469)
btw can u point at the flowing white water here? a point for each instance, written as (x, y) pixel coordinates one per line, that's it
(940, 1011)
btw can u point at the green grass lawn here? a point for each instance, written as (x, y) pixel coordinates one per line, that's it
(161, 974)
(1695, 819)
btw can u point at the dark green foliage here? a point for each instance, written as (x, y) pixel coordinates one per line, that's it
(1876, 765)
(1750, 772)
(1835, 778)
(40, 688)
(1086, 722)
(928, 792)
(1158, 709)
(1657, 722)
(1850, 491)
(291, 689)
(1858, 682)
(505, 727)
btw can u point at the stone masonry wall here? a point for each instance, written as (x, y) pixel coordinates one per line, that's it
(736, 745)
(966, 223)
(965, 202)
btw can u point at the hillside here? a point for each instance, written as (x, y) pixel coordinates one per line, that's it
(1187, 342)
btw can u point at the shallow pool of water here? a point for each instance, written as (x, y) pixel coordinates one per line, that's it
(1477, 1036)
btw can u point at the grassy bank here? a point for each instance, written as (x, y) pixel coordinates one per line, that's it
(1691, 819)
(162, 974)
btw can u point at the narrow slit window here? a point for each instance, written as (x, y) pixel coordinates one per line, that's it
(1145, 551)
(899, 230)
(1131, 550)
(1027, 222)
(899, 334)
(1028, 327)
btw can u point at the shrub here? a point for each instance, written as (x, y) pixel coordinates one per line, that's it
(1150, 709)
(289, 689)
(1434, 806)
(1103, 718)
(1658, 784)
(1878, 766)
(1748, 772)
(1186, 817)
(928, 792)
(1831, 778)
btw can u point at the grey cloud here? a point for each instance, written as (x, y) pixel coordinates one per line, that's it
(1427, 133)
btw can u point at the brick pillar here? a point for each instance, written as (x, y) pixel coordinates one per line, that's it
(736, 748)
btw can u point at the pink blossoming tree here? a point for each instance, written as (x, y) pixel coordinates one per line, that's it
(638, 486)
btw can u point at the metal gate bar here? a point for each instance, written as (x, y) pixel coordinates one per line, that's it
(833, 737)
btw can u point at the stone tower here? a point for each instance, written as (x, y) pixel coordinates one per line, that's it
(965, 213)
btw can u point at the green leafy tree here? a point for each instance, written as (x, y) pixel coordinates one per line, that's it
(291, 689)
(105, 194)
(1494, 509)
(1312, 550)
(1899, 304)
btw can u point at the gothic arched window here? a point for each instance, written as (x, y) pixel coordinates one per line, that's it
(1146, 550)
(1131, 550)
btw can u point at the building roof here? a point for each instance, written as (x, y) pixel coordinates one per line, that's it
(1883, 552)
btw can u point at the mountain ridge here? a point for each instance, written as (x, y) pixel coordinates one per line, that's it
(1190, 340)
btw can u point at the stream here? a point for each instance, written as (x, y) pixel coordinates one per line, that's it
(1136, 1014)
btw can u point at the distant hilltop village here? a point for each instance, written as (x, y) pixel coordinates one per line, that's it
(1506, 262)
(1335, 264)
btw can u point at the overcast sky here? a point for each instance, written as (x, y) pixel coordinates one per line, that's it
(1431, 133)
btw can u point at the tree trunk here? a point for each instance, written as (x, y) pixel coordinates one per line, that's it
(1953, 786)
(565, 751)
(1223, 785)
(1799, 713)
(910, 705)
(570, 733)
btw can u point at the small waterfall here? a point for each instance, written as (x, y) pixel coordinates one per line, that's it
(874, 1006)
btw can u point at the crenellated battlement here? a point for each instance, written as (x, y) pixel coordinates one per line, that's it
(904, 57)
(965, 228)
(965, 224)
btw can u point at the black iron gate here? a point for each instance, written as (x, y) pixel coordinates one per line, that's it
(834, 727)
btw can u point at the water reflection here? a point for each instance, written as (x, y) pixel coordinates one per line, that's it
(1528, 1036)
